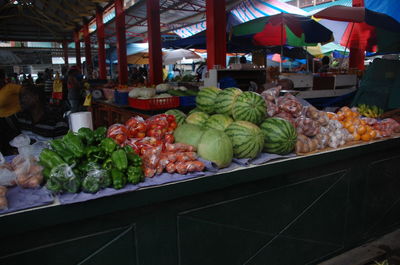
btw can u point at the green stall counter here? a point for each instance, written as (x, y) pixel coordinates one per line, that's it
(299, 210)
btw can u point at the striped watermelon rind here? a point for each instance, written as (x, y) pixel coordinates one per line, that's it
(198, 118)
(180, 117)
(194, 110)
(205, 100)
(280, 136)
(219, 122)
(226, 99)
(250, 106)
(247, 139)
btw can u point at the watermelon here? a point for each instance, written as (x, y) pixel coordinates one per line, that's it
(194, 110)
(188, 134)
(205, 99)
(180, 117)
(249, 106)
(215, 146)
(280, 136)
(247, 139)
(226, 99)
(218, 122)
(198, 118)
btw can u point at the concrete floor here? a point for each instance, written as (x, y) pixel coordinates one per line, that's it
(384, 248)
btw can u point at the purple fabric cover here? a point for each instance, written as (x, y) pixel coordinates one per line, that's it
(19, 198)
(33, 198)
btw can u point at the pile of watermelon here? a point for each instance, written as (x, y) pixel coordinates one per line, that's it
(231, 123)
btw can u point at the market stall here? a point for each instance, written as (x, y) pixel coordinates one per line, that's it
(297, 210)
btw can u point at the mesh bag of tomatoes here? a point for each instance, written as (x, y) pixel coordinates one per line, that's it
(118, 132)
(140, 145)
(137, 127)
(161, 127)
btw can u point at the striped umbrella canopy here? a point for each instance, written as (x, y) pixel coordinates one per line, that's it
(285, 29)
(361, 28)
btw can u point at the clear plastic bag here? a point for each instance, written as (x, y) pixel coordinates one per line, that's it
(95, 180)
(62, 178)
(28, 172)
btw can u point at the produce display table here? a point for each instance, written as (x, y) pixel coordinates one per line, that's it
(106, 113)
(298, 210)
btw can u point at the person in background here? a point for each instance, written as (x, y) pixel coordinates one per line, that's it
(15, 98)
(243, 59)
(325, 64)
(201, 71)
(74, 84)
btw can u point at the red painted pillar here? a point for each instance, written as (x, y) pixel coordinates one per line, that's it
(65, 51)
(121, 42)
(216, 33)
(100, 43)
(357, 56)
(77, 49)
(154, 38)
(88, 50)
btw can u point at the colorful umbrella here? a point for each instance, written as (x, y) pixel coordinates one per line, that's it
(360, 28)
(285, 29)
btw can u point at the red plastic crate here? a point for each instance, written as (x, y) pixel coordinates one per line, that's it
(154, 103)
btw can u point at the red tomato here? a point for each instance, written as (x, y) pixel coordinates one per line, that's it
(155, 133)
(132, 122)
(132, 132)
(141, 127)
(140, 135)
(120, 138)
(170, 118)
(169, 138)
(173, 125)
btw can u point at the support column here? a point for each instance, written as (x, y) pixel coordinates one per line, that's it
(77, 49)
(216, 33)
(65, 51)
(88, 50)
(154, 36)
(357, 56)
(100, 43)
(121, 42)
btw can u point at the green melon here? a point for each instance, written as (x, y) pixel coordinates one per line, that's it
(219, 122)
(226, 99)
(180, 117)
(205, 99)
(280, 136)
(194, 110)
(215, 146)
(188, 134)
(198, 118)
(247, 139)
(249, 106)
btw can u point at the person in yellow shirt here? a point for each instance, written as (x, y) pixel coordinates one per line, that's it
(13, 99)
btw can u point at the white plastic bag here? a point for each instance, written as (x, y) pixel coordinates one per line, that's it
(7, 175)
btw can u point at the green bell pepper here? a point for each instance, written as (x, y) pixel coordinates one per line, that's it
(94, 153)
(86, 135)
(135, 174)
(108, 164)
(50, 159)
(119, 159)
(57, 145)
(99, 134)
(133, 158)
(46, 173)
(74, 144)
(54, 184)
(118, 179)
(88, 166)
(108, 145)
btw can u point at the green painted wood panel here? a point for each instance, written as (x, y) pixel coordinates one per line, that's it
(299, 211)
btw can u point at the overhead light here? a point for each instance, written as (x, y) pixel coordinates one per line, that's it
(22, 2)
